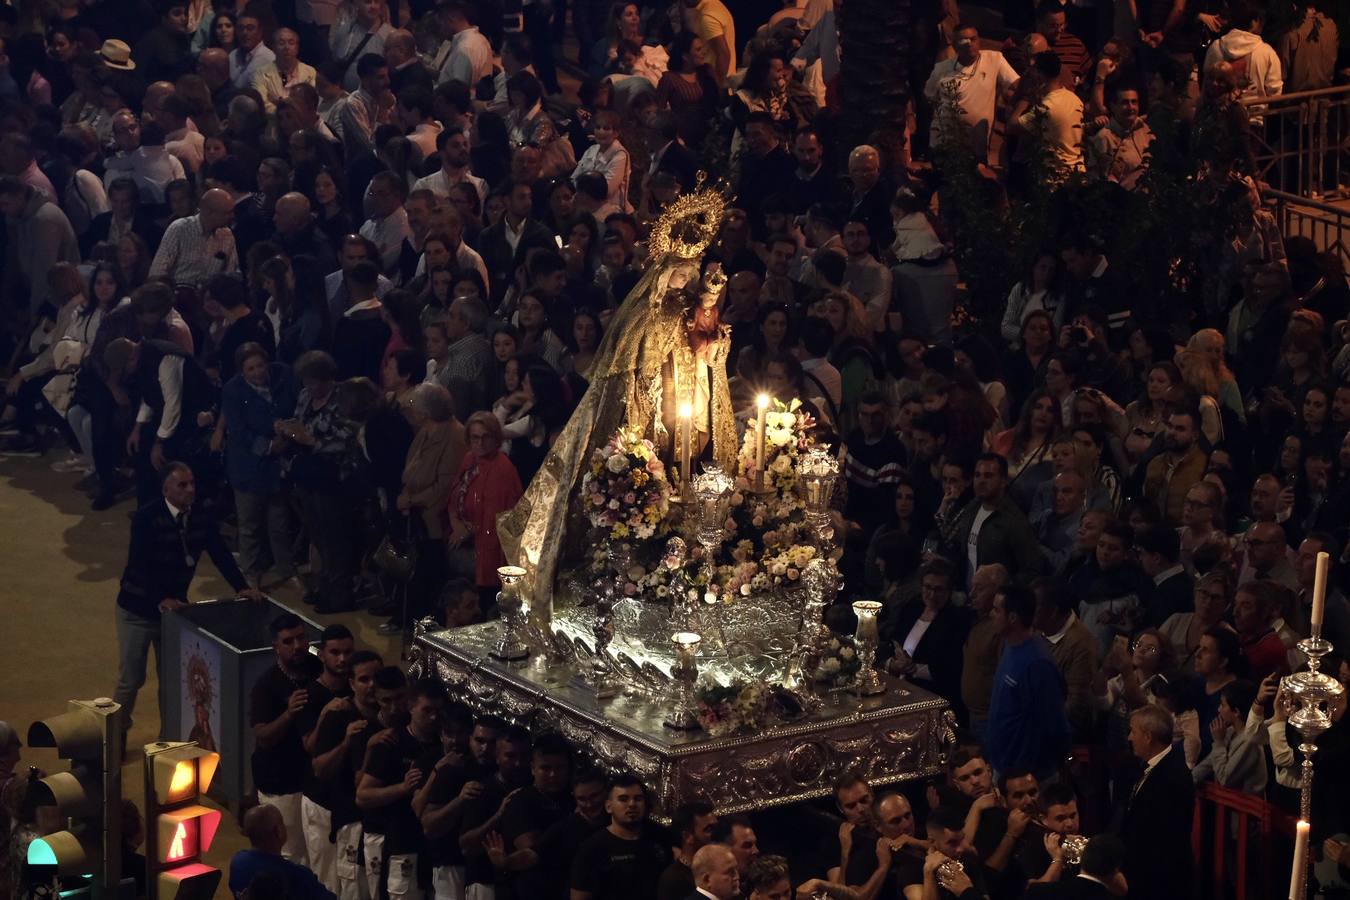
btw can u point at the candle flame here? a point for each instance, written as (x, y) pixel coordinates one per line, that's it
(762, 401)
(686, 410)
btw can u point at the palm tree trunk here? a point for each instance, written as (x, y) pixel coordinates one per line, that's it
(877, 48)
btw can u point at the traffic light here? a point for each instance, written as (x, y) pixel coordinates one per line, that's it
(180, 829)
(88, 852)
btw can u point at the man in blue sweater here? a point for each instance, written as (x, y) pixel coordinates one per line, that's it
(267, 834)
(1027, 728)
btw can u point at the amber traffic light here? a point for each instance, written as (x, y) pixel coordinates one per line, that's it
(181, 827)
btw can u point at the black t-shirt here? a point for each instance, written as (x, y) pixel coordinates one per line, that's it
(389, 764)
(558, 846)
(612, 868)
(445, 786)
(676, 882)
(478, 869)
(279, 769)
(340, 790)
(532, 811)
(317, 789)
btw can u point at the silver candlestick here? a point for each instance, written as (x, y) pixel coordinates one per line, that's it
(1310, 695)
(685, 673)
(712, 492)
(866, 637)
(509, 646)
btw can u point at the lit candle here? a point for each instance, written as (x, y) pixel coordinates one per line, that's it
(1300, 859)
(1320, 592)
(762, 402)
(686, 429)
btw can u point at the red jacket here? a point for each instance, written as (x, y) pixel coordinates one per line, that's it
(493, 489)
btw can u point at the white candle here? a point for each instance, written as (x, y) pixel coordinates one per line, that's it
(1300, 859)
(762, 402)
(1320, 591)
(686, 427)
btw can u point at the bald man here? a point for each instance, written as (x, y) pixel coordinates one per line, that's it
(196, 247)
(716, 876)
(296, 233)
(266, 834)
(405, 66)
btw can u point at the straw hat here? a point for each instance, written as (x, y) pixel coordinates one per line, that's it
(117, 55)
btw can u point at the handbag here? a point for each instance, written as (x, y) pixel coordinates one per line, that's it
(396, 558)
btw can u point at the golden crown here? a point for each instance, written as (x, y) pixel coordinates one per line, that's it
(688, 226)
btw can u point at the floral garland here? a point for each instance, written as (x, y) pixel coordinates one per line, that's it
(736, 708)
(625, 491)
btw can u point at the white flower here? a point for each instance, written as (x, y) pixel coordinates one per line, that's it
(830, 666)
(614, 504)
(662, 591)
(847, 653)
(617, 463)
(781, 465)
(834, 645)
(745, 590)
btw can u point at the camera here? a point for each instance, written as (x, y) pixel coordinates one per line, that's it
(1078, 334)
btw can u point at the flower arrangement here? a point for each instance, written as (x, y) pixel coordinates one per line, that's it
(737, 708)
(839, 663)
(787, 431)
(625, 490)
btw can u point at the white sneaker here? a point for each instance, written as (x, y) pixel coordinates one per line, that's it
(72, 464)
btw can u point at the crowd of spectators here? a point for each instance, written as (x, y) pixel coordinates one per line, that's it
(335, 274)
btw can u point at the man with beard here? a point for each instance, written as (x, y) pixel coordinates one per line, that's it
(389, 779)
(692, 829)
(530, 811)
(1041, 851)
(1180, 465)
(328, 694)
(450, 768)
(337, 748)
(277, 706)
(623, 861)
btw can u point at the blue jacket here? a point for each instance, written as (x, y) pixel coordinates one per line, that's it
(1027, 727)
(249, 421)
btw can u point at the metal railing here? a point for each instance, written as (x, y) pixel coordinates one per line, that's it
(1301, 146)
(1326, 224)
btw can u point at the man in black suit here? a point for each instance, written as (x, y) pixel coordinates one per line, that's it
(870, 195)
(674, 156)
(1099, 878)
(716, 876)
(125, 215)
(1156, 827)
(167, 539)
(504, 246)
(1173, 590)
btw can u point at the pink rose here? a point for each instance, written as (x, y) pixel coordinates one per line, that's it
(630, 497)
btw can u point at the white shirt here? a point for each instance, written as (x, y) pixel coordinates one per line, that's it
(272, 85)
(611, 163)
(170, 376)
(440, 183)
(388, 234)
(84, 199)
(245, 66)
(423, 137)
(468, 59)
(346, 37)
(974, 88)
(1059, 635)
(973, 542)
(1168, 573)
(152, 168)
(823, 370)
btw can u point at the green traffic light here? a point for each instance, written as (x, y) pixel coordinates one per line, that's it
(40, 853)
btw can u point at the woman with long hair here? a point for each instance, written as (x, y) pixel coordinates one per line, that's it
(133, 260)
(689, 89)
(1028, 442)
(852, 352)
(539, 419)
(1144, 417)
(1314, 414)
(223, 31)
(772, 336)
(1039, 289)
(622, 26)
(1198, 375)
(768, 87)
(587, 331)
(903, 522)
(976, 357)
(106, 293)
(1126, 678)
(296, 305)
(536, 337)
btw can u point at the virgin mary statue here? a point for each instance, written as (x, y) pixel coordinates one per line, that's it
(663, 349)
